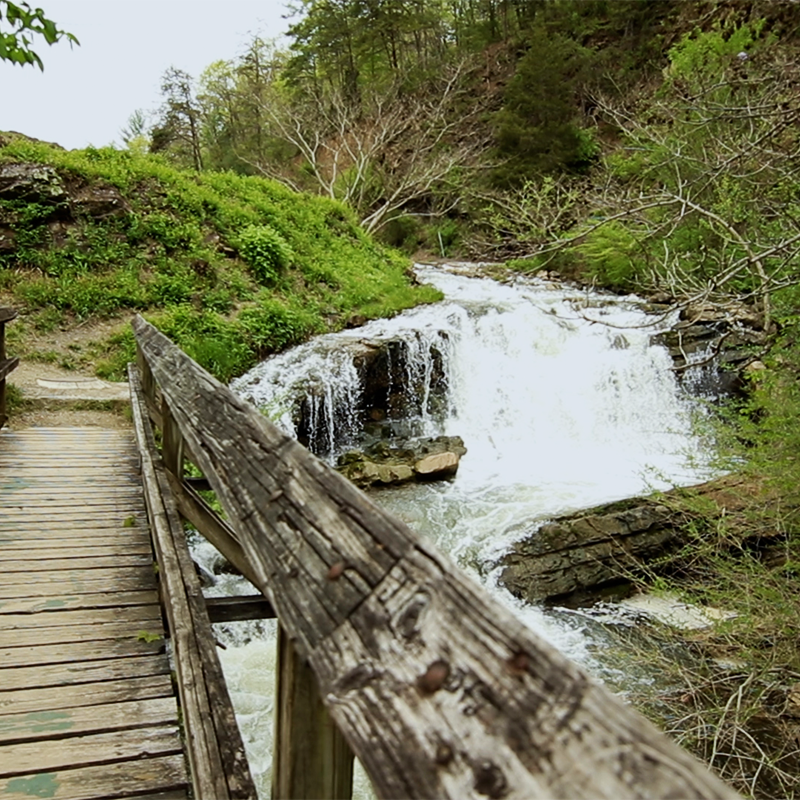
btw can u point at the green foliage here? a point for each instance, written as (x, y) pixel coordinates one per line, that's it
(266, 251)
(537, 129)
(25, 23)
(273, 325)
(611, 256)
(699, 59)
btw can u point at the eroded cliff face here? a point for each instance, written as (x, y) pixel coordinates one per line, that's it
(59, 201)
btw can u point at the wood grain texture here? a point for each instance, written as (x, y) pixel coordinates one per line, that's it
(87, 751)
(13, 678)
(103, 781)
(85, 694)
(311, 758)
(73, 652)
(57, 723)
(87, 706)
(440, 690)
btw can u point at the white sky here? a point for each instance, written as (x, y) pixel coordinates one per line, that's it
(86, 94)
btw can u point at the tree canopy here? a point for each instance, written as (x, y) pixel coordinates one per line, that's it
(20, 25)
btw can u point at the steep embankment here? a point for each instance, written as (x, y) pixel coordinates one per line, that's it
(231, 267)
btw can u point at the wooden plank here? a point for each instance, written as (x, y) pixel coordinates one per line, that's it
(112, 533)
(97, 518)
(64, 602)
(77, 562)
(43, 675)
(77, 651)
(193, 508)
(216, 753)
(81, 507)
(64, 548)
(65, 489)
(87, 751)
(238, 608)
(56, 723)
(84, 694)
(96, 632)
(37, 584)
(53, 522)
(55, 617)
(106, 781)
(439, 689)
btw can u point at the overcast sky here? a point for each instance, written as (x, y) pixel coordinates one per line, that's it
(86, 94)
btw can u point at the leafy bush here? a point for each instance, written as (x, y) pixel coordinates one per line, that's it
(266, 251)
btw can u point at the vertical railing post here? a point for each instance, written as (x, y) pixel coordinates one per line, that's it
(171, 443)
(311, 759)
(6, 364)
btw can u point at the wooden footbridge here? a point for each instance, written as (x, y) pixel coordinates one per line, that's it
(110, 684)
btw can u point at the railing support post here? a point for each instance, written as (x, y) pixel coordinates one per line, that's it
(171, 443)
(311, 759)
(6, 364)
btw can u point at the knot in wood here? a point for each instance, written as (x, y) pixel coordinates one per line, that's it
(335, 572)
(444, 754)
(434, 677)
(489, 780)
(518, 663)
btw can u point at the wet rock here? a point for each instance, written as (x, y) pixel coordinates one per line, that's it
(391, 464)
(7, 239)
(722, 341)
(99, 202)
(435, 467)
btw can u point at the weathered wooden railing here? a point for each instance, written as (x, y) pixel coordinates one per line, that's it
(6, 364)
(438, 689)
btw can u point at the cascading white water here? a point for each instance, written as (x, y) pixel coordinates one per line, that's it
(562, 401)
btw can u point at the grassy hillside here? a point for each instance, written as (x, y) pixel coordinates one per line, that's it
(231, 267)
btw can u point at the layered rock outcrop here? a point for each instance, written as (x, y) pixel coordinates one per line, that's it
(609, 544)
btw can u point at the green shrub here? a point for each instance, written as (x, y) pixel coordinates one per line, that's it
(611, 256)
(266, 251)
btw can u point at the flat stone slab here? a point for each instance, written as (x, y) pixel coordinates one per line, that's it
(77, 389)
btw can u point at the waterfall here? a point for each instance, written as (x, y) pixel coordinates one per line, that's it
(562, 399)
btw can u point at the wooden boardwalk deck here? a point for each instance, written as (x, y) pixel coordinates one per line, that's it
(86, 701)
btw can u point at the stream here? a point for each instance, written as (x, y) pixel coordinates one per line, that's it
(563, 402)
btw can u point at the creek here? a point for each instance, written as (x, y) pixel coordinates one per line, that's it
(563, 401)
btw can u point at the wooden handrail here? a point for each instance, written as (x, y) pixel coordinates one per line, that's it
(6, 364)
(438, 688)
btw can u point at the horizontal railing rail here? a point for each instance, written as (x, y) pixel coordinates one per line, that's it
(438, 689)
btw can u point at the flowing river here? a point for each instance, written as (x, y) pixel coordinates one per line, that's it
(563, 402)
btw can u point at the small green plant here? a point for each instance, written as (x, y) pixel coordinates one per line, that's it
(14, 397)
(147, 636)
(129, 522)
